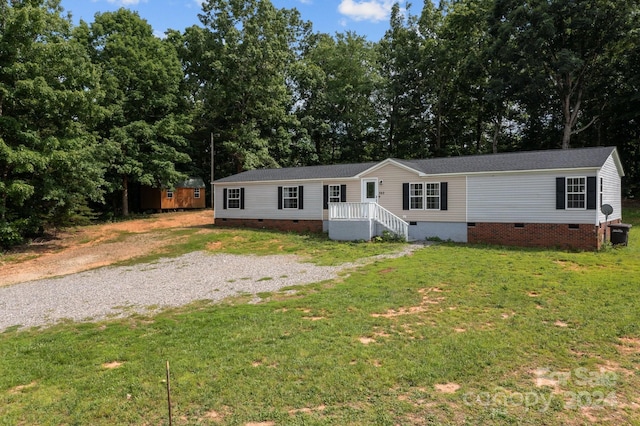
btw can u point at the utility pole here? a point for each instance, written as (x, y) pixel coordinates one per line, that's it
(212, 179)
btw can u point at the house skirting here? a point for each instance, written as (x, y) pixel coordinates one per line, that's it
(277, 224)
(545, 235)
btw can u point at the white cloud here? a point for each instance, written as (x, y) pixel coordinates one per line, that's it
(371, 10)
(306, 1)
(127, 2)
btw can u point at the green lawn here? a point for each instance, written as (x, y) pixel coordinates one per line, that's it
(452, 334)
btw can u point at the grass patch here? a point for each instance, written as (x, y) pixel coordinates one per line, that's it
(453, 334)
(315, 248)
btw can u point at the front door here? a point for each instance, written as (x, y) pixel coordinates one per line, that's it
(370, 190)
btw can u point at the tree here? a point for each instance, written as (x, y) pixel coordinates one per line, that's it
(403, 102)
(241, 61)
(145, 117)
(561, 48)
(337, 80)
(49, 163)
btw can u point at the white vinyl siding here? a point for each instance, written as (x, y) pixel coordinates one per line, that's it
(611, 190)
(521, 198)
(390, 180)
(261, 201)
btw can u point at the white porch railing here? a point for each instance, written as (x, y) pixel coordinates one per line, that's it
(371, 212)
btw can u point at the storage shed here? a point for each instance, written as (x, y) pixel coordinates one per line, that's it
(188, 194)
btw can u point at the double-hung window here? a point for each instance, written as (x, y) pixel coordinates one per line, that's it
(576, 193)
(290, 197)
(196, 192)
(334, 193)
(424, 196)
(169, 195)
(233, 198)
(432, 196)
(416, 196)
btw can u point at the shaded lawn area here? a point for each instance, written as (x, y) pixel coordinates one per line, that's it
(452, 334)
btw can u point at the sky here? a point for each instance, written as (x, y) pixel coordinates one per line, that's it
(369, 18)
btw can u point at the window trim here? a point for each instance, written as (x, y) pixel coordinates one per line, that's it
(420, 197)
(196, 192)
(583, 193)
(437, 197)
(291, 198)
(425, 196)
(230, 198)
(601, 191)
(335, 198)
(169, 194)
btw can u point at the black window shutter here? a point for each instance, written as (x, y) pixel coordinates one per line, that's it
(224, 199)
(279, 198)
(591, 193)
(241, 198)
(343, 193)
(444, 190)
(325, 197)
(405, 196)
(300, 197)
(560, 193)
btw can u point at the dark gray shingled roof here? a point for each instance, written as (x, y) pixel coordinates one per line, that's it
(295, 173)
(516, 161)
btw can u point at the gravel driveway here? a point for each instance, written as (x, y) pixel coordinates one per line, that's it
(119, 291)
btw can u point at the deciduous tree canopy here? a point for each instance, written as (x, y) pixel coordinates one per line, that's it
(88, 112)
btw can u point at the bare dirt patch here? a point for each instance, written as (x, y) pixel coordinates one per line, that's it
(307, 410)
(111, 365)
(447, 387)
(426, 301)
(95, 246)
(20, 388)
(629, 345)
(570, 266)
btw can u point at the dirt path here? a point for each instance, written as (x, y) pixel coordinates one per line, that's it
(94, 246)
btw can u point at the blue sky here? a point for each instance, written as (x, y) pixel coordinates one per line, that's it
(369, 18)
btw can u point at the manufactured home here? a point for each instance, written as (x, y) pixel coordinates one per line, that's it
(547, 198)
(188, 194)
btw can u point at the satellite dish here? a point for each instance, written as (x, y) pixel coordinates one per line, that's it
(606, 209)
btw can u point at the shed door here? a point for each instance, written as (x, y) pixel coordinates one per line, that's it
(370, 190)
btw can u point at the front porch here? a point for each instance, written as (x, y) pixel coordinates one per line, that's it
(363, 221)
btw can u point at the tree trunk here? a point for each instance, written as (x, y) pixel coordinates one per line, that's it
(496, 134)
(125, 196)
(566, 136)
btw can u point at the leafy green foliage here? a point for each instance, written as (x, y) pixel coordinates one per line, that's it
(144, 123)
(49, 161)
(336, 82)
(88, 111)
